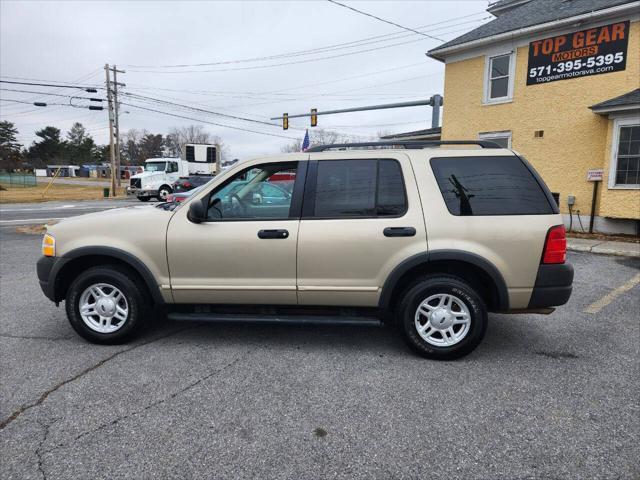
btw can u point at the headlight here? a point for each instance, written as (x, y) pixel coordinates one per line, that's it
(48, 245)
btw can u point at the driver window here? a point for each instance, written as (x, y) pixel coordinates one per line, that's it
(172, 167)
(261, 192)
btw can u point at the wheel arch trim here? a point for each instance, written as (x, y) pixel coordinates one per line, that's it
(443, 255)
(116, 253)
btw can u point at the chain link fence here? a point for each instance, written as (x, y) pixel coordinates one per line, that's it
(18, 179)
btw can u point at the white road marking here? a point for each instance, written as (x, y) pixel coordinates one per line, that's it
(598, 305)
(31, 220)
(64, 207)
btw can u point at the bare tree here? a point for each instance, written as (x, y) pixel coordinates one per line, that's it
(321, 137)
(130, 146)
(295, 146)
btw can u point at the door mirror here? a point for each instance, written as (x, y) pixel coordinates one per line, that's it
(256, 199)
(197, 211)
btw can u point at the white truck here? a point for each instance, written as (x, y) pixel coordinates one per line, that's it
(160, 173)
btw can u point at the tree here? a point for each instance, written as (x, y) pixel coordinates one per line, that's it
(80, 146)
(10, 149)
(151, 146)
(319, 137)
(295, 146)
(130, 146)
(50, 149)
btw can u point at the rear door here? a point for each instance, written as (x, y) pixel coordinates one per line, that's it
(361, 217)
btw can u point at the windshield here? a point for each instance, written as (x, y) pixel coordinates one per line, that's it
(155, 166)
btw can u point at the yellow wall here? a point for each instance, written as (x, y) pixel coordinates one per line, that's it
(575, 139)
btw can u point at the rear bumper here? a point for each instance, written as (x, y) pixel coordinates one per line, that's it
(553, 286)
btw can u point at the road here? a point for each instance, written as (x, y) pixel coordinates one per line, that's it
(542, 397)
(12, 214)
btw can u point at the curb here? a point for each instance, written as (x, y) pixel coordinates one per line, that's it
(602, 249)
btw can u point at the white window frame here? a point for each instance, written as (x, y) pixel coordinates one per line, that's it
(493, 135)
(615, 144)
(486, 98)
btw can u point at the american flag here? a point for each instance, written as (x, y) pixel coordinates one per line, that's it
(305, 142)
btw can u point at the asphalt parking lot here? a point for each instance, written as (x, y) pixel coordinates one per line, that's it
(542, 397)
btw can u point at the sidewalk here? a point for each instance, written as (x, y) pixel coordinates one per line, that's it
(625, 249)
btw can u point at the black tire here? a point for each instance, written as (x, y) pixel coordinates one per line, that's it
(135, 296)
(144, 199)
(442, 284)
(163, 192)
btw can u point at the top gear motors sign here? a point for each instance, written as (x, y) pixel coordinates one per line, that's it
(587, 52)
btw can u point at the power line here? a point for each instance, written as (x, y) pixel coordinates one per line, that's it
(210, 123)
(296, 62)
(350, 44)
(47, 94)
(87, 89)
(385, 21)
(201, 110)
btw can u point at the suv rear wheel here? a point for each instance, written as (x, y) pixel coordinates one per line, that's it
(442, 317)
(105, 305)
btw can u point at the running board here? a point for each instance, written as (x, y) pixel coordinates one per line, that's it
(275, 319)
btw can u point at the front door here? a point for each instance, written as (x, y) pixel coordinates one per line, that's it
(245, 253)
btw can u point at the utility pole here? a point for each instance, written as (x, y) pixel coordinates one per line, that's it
(117, 119)
(114, 125)
(111, 146)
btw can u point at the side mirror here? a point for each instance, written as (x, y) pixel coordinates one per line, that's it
(256, 199)
(197, 212)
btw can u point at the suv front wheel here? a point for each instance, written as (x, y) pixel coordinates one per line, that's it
(442, 317)
(105, 305)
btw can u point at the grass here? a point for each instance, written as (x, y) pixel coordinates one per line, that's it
(35, 229)
(56, 192)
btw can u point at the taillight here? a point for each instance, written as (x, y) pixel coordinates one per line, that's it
(169, 198)
(555, 246)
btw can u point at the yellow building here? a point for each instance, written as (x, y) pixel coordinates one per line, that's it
(557, 81)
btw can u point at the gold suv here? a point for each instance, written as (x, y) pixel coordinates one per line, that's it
(429, 236)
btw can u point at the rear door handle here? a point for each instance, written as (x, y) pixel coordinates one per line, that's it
(399, 232)
(273, 234)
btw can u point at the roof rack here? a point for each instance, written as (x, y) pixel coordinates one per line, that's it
(416, 144)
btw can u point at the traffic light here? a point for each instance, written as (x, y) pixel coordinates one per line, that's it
(285, 121)
(314, 117)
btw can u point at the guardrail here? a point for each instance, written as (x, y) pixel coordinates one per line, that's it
(18, 179)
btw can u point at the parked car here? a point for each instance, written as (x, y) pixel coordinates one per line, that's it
(428, 239)
(184, 184)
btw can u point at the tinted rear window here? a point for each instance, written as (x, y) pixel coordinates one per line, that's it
(359, 188)
(489, 186)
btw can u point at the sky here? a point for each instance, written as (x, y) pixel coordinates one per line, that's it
(223, 45)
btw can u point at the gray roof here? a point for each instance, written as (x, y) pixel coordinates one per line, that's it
(415, 133)
(631, 98)
(529, 14)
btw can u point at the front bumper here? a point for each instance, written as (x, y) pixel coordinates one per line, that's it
(553, 286)
(138, 192)
(47, 269)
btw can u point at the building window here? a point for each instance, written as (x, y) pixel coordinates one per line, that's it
(625, 155)
(499, 78)
(501, 138)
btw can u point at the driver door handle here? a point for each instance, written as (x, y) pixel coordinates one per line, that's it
(281, 234)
